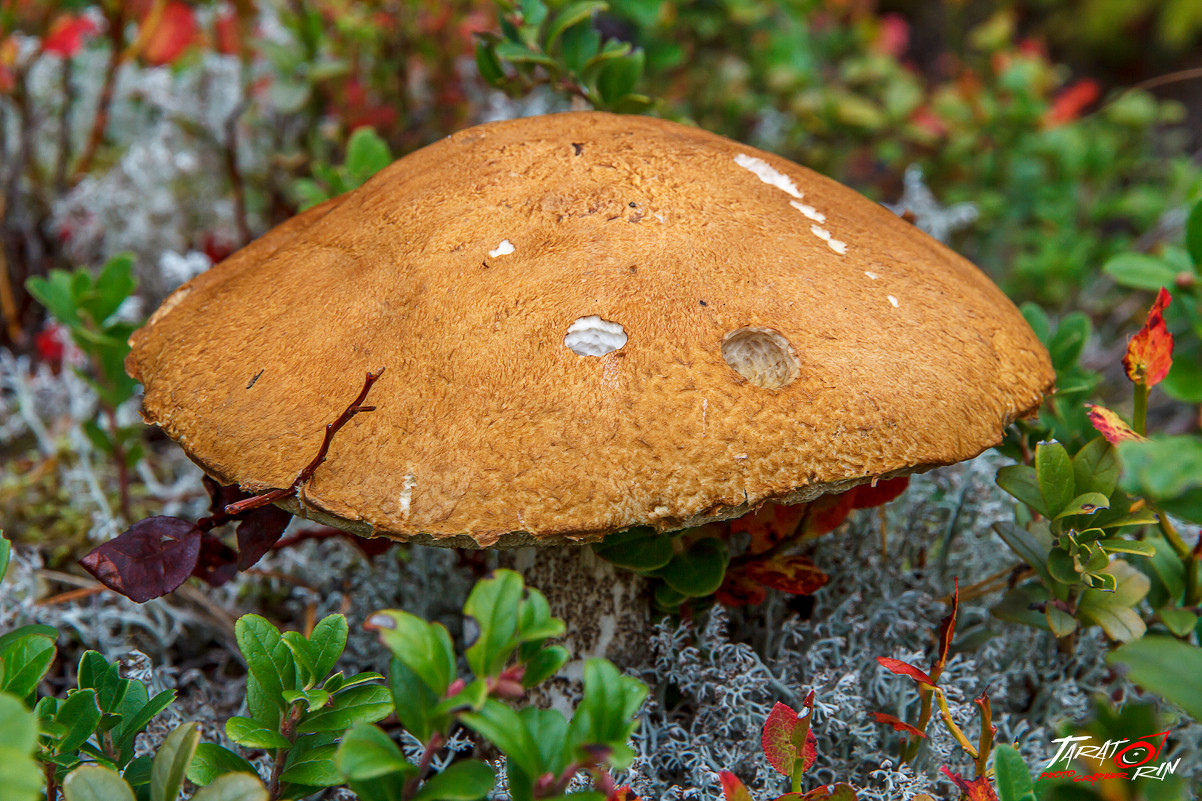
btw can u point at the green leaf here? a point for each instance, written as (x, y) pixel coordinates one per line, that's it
(1184, 381)
(97, 783)
(328, 640)
(1071, 335)
(1141, 271)
(1120, 545)
(314, 767)
(520, 54)
(488, 64)
(1011, 776)
(1055, 473)
(367, 752)
(535, 622)
(502, 726)
(544, 664)
(56, 294)
(1037, 318)
(1166, 667)
(467, 780)
(78, 715)
(414, 700)
(1032, 546)
(234, 787)
(1062, 568)
(1167, 469)
(250, 733)
(1022, 482)
(171, 762)
(131, 726)
(31, 657)
(20, 776)
(267, 657)
(312, 699)
(572, 14)
(366, 154)
(640, 548)
(32, 630)
(699, 571)
(1179, 621)
(366, 703)
(6, 548)
(493, 604)
(212, 761)
(1193, 234)
(605, 715)
(619, 77)
(114, 284)
(1085, 504)
(1060, 622)
(1113, 610)
(424, 647)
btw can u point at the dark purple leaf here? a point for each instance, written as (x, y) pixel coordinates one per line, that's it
(149, 560)
(221, 496)
(259, 530)
(218, 562)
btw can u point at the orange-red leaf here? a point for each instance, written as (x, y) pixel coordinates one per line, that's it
(732, 788)
(897, 723)
(1150, 352)
(770, 525)
(778, 740)
(978, 789)
(739, 589)
(836, 792)
(67, 33)
(866, 496)
(905, 669)
(946, 629)
(623, 793)
(175, 32)
(1069, 104)
(827, 513)
(1110, 425)
(792, 574)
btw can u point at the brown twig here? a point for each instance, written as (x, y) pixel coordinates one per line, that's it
(331, 429)
(237, 185)
(100, 122)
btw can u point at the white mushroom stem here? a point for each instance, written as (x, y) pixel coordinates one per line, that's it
(607, 611)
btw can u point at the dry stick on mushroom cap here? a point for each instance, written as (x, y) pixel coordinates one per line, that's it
(331, 429)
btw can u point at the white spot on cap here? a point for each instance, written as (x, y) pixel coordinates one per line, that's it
(809, 211)
(503, 249)
(407, 493)
(592, 336)
(825, 236)
(768, 174)
(871, 275)
(892, 300)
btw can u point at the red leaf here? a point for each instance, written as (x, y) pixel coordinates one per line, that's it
(1110, 425)
(49, 344)
(623, 793)
(770, 525)
(792, 574)
(836, 792)
(259, 530)
(978, 789)
(898, 724)
(227, 34)
(217, 562)
(905, 669)
(67, 33)
(828, 513)
(150, 559)
(739, 590)
(893, 35)
(732, 788)
(1150, 352)
(946, 629)
(866, 496)
(778, 740)
(175, 32)
(1069, 104)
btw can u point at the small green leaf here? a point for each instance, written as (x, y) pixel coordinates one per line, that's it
(1119, 545)
(425, 648)
(414, 701)
(504, 728)
(212, 761)
(1055, 473)
(234, 787)
(1140, 271)
(31, 657)
(1165, 666)
(1179, 621)
(1071, 335)
(32, 630)
(267, 656)
(250, 733)
(640, 548)
(6, 548)
(328, 640)
(21, 777)
(461, 781)
(78, 715)
(1062, 568)
(545, 664)
(97, 783)
(367, 752)
(171, 762)
(1085, 504)
(1193, 235)
(1060, 622)
(699, 571)
(619, 77)
(1021, 481)
(366, 703)
(488, 64)
(314, 767)
(1011, 776)
(572, 14)
(493, 604)
(366, 154)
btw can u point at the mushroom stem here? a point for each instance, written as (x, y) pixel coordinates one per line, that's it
(607, 611)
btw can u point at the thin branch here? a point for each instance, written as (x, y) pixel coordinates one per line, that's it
(274, 495)
(100, 122)
(237, 185)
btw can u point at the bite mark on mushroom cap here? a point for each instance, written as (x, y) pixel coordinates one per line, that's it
(517, 438)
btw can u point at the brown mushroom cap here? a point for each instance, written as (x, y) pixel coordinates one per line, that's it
(872, 350)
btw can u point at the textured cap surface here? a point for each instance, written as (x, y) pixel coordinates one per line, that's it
(478, 270)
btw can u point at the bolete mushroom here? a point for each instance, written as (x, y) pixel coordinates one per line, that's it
(589, 322)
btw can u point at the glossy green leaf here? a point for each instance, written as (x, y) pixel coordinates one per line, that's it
(97, 783)
(1120, 545)
(171, 762)
(467, 780)
(267, 657)
(1060, 622)
(502, 726)
(26, 661)
(78, 715)
(1021, 481)
(1141, 271)
(1011, 775)
(640, 548)
(424, 647)
(1165, 666)
(572, 14)
(32, 630)
(698, 571)
(314, 767)
(367, 752)
(328, 641)
(250, 733)
(1055, 473)
(493, 604)
(366, 703)
(234, 787)
(545, 664)
(5, 554)
(1085, 504)
(212, 761)
(413, 700)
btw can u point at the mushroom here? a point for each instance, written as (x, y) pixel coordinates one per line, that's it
(589, 322)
